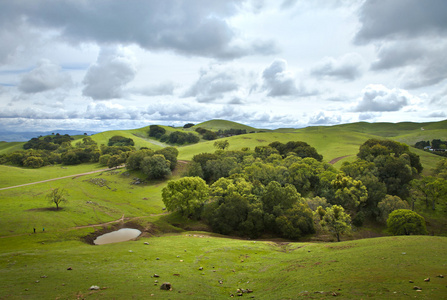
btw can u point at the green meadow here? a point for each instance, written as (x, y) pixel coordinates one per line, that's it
(59, 261)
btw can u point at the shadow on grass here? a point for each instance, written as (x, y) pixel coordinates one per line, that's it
(46, 209)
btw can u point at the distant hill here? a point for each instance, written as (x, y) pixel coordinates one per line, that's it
(216, 125)
(10, 136)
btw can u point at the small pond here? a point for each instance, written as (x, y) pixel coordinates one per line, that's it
(122, 235)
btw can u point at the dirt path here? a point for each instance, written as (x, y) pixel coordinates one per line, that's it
(337, 159)
(53, 179)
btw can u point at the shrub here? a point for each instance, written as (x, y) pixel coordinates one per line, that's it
(406, 222)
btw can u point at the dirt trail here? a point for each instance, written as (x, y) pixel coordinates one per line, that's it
(337, 159)
(58, 178)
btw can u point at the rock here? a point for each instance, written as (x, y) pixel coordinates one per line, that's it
(220, 281)
(69, 269)
(249, 291)
(37, 281)
(43, 276)
(178, 256)
(201, 268)
(181, 260)
(94, 287)
(156, 281)
(176, 274)
(146, 243)
(166, 286)
(130, 251)
(156, 275)
(440, 276)
(427, 279)
(410, 281)
(158, 258)
(416, 288)
(335, 294)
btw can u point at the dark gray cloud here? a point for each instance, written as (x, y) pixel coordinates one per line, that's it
(45, 76)
(348, 67)
(196, 27)
(378, 98)
(278, 81)
(213, 84)
(401, 19)
(422, 62)
(106, 78)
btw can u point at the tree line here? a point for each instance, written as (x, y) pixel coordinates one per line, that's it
(287, 189)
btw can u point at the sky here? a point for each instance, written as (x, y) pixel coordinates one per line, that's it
(113, 64)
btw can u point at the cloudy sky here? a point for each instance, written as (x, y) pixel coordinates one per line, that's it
(112, 64)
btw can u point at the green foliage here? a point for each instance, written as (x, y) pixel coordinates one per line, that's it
(430, 190)
(187, 195)
(188, 125)
(388, 205)
(156, 131)
(156, 166)
(47, 143)
(406, 222)
(222, 145)
(349, 193)
(296, 222)
(120, 141)
(135, 158)
(57, 196)
(300, 149)
(335, 220)
(170, 153)
(441, 168)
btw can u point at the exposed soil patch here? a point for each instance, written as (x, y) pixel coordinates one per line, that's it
(338, 159)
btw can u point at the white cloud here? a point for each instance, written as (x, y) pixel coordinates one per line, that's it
(377, 97)
(279, 81)
(106, 79)
(347, 67)
(214, 83)
(321, 118)
(46, 76)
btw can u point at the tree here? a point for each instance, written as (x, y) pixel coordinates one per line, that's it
(430, 189)
(156, 131)
(187, 195)
(170, 153)
(406, 222)
(349, 193)
(56, 196)
(222, 145)
(335, 220)
(296, 222)
(389, 204)
(155, 167)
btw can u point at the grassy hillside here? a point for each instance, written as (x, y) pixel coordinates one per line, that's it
(6, 147)
(270, 270)
(215, 125)
(35, 266)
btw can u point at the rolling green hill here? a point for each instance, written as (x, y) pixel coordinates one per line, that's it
(61, 263)
(215, 125)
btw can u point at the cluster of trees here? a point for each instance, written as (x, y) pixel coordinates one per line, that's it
(155, 164)
(207, 134)
(47, 143)
(287, 190)
(120, 141)
(435, 144)
(230, 132)
(175, 137)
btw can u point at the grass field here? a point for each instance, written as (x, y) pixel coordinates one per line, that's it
(379, 268)
(34, 266)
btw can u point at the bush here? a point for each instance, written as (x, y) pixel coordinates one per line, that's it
(406, 222)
